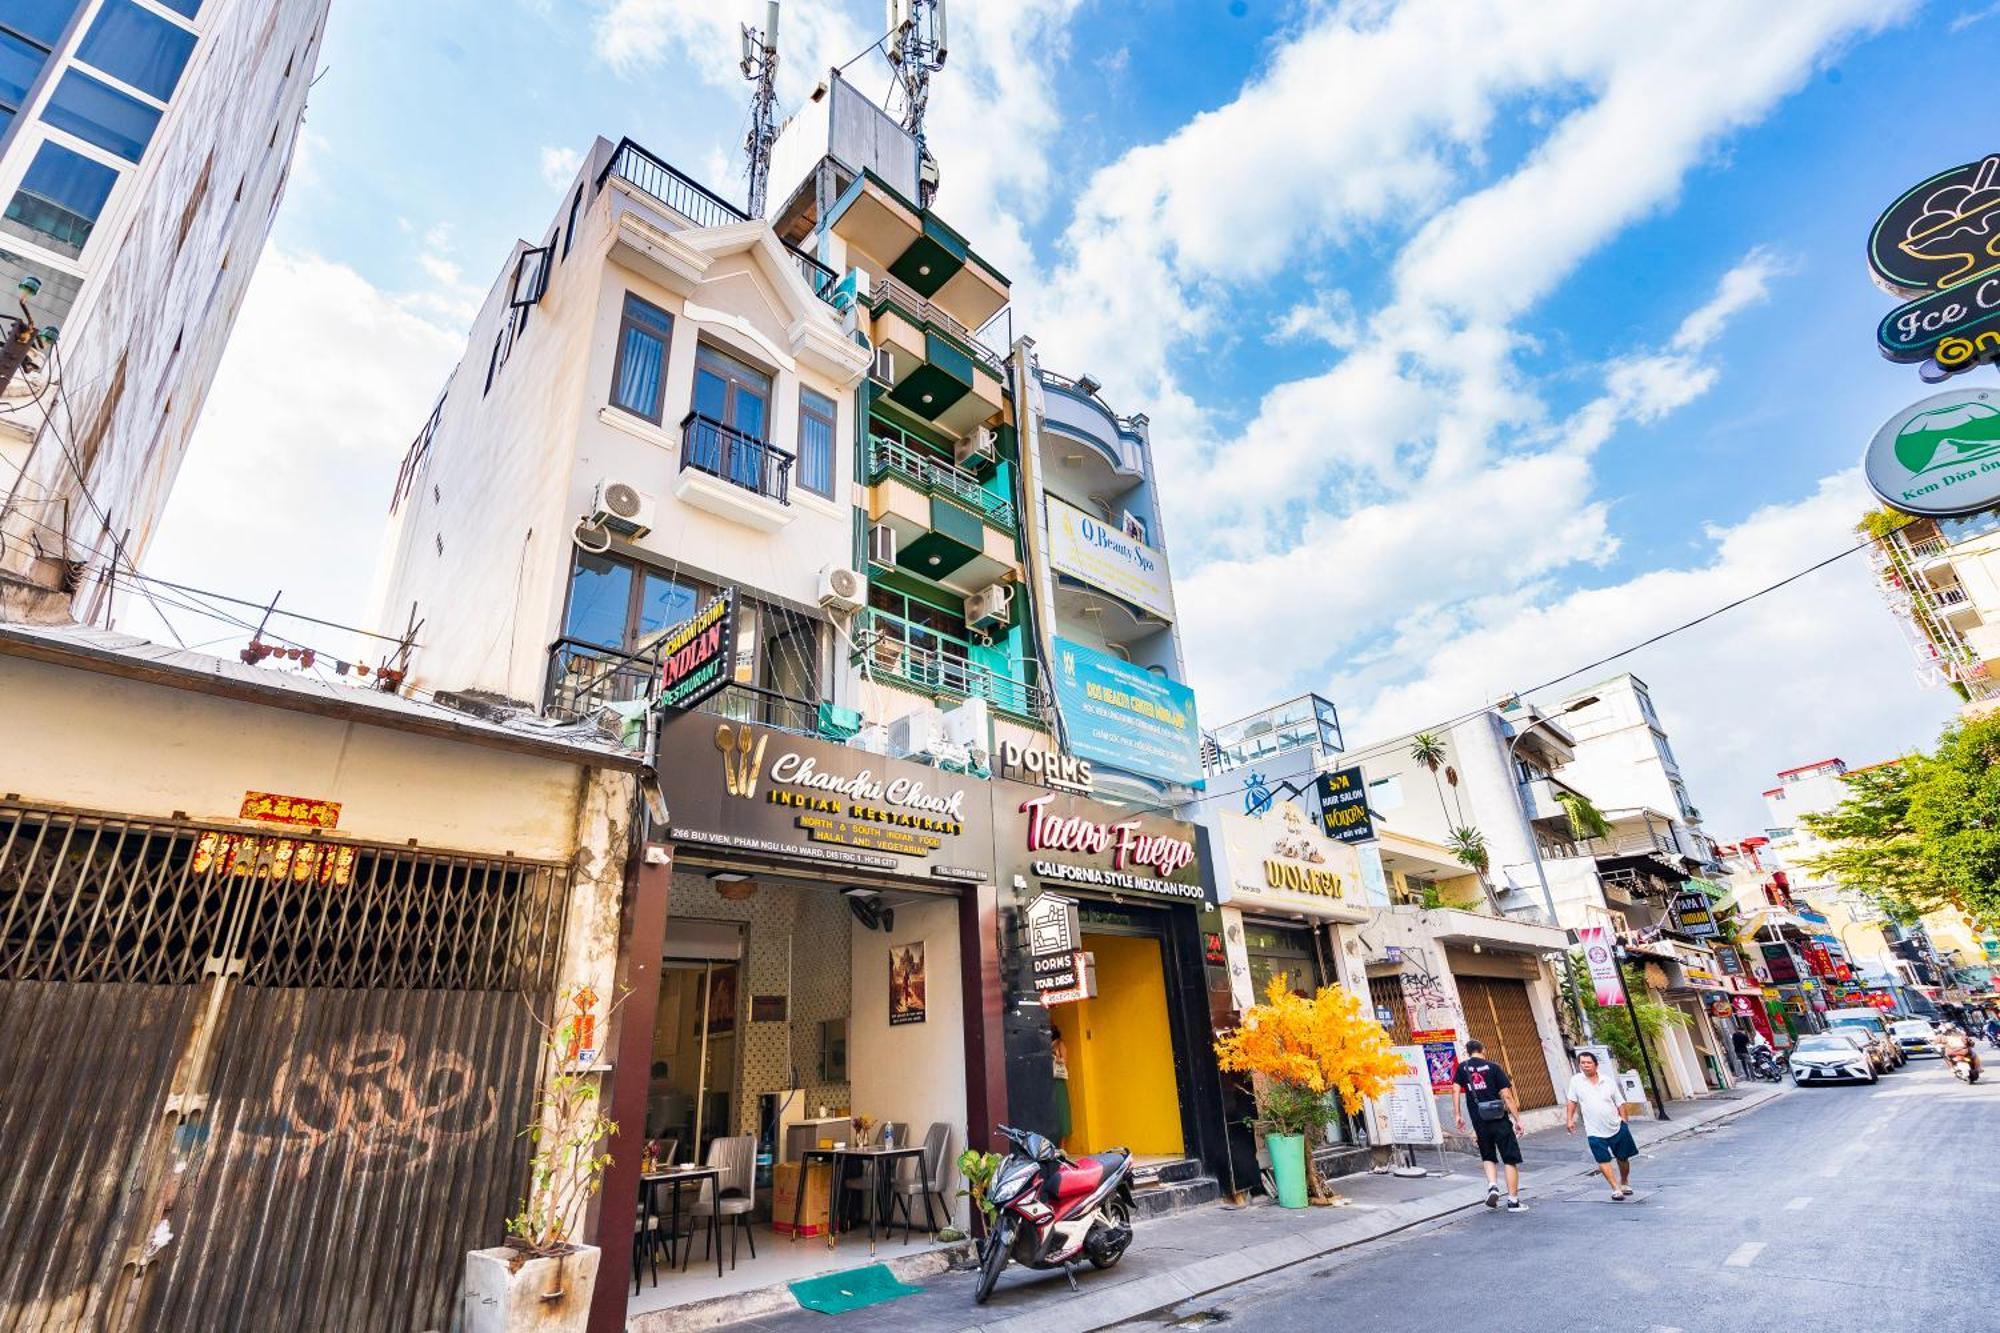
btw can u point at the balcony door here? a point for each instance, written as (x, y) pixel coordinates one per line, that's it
(735, 396)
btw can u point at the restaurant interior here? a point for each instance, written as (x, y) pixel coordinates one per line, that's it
(807, 1077)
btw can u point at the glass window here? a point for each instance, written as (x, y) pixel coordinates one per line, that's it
(20, 62)
(186, 8)
(816, 417)
(639, 378)
(100, 114)
(600, 601)
(736, 395)
(59, 291)
(41, 20)
(663, 604)
(137, 47)
(60, 197)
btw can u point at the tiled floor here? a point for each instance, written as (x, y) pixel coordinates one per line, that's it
(779, 1259)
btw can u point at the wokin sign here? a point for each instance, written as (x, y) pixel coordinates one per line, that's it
(1940, 456)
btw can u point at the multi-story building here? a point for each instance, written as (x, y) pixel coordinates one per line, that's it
(1941, 579)
(143, 151)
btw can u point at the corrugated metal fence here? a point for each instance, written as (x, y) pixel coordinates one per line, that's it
(254, 1081)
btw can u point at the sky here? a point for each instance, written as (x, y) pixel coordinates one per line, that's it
(1481, 339)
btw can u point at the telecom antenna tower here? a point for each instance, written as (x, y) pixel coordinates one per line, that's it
(760, 66)
(916, 48)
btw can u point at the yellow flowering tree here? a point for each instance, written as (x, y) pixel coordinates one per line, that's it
(1301, 1052)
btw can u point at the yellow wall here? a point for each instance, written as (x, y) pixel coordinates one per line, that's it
(1122, 1090)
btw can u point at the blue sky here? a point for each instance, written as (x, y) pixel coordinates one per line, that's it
(1480, 339)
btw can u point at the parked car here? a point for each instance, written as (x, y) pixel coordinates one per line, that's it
(1915, 1036)
(1871, 1022)
(1868, 1043)
(1832, 1057)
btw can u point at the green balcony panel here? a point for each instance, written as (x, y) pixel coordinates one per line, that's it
(948, 356)
(957, 523)
(935, 555)
(931, 259)
(928, 390)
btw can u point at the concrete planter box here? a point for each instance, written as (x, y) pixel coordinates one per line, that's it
(506, 1292)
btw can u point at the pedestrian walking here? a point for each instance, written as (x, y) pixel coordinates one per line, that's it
(1597, 1098)
(1740, 1039)
(1496, 1122)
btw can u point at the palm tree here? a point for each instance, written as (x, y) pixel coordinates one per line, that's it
(1467, 843)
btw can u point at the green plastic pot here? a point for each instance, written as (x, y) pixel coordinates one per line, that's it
(1288, 1167)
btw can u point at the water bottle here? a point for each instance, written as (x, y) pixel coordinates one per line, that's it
(888, 1136)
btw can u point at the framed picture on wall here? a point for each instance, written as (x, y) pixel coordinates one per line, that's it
(906, 983)
(722, 1000)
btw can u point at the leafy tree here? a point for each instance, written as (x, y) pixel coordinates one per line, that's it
(1613, 1026)
(1875, 850)
(1923, 833)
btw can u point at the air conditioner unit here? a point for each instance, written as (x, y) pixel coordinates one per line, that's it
(884, 369)
(882, 546)
(979, 449)
(987, 609)
(917, 734)
(841, 589)
(967, 727)
(623, 508)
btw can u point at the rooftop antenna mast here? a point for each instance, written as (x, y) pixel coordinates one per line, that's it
(916, 47)
(760, 67)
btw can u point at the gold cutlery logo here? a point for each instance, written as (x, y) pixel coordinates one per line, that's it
(742, 758)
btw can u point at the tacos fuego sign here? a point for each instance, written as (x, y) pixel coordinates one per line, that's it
(1153, 857)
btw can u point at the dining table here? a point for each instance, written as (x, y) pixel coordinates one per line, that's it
(872, 1160)
(676, 1179)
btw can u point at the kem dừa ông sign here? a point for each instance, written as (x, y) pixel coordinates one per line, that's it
(1940, 456)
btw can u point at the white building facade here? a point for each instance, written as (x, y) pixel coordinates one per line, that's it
(144, 146)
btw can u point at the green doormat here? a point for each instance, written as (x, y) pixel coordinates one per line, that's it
(837, 1293)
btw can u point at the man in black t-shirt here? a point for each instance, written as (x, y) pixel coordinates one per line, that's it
(1496, 1119)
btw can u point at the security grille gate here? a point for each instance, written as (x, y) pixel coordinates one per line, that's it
(1387, 993)
(255, 1081)
(1498, 1014)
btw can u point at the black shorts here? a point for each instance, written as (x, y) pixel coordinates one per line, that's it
(1497, 1142)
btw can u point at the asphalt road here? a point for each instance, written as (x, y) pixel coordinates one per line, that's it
(1851, 1208)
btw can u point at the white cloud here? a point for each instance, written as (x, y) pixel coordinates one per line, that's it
(450, 298)
(559, 165)
(1811, 670)
(287, 480)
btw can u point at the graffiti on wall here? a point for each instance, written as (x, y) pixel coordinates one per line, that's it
(367, 1096)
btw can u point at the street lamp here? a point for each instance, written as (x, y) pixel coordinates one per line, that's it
(24, 337)
(1638, 1033)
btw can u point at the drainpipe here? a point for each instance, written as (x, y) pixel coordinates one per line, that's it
(1028, 448)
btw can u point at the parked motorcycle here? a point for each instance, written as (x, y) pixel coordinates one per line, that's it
(1766, 1066)
(1053, 1212)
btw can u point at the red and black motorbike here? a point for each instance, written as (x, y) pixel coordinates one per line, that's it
(1052, 1212)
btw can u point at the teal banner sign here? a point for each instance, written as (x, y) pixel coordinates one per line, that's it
(1127, 717)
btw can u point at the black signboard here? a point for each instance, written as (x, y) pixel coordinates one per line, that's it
(1054, 938)
(698, 656)
(1343, 806)
(740, 787)
(1779, 963)
(1694, 916)
(1059, 840)
(1938, 248)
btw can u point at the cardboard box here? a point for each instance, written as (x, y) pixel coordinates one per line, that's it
(785, 1196)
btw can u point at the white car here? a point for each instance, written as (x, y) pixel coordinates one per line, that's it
(1914, 1035)
(1827, 1057)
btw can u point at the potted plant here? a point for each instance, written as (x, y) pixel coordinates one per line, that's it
(1302, 1053)
(541, 1278)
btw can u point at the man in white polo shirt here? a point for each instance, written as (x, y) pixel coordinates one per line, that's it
(1596, 1095)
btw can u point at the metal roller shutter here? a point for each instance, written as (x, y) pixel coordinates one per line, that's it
(1497, 1012)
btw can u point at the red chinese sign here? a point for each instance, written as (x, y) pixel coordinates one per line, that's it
(1818, 960)
(296, 860)
(298, 810)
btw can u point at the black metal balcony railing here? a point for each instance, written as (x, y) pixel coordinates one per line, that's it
(723, 451)
(701, 206)
(583, 678)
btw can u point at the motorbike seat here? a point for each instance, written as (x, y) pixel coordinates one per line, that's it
(1081, 1178)
(1112, 1159)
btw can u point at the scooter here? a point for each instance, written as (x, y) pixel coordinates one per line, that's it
(1964, 1063)
(1053, 1212)
(1764, 1065)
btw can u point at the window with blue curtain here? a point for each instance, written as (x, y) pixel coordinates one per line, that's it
(638, 381)
(816, 418)
(735, 395)
(98, 113)
(40, 21)
(60, 196)
(137, 47)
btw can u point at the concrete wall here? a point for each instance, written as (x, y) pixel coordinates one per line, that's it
(912, 1072)
(164, 275)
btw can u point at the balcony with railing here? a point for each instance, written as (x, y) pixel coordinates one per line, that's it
(934, 477)
(734, 475)
(700, 206)
(887, 647)
(921, 310)
(583, 678)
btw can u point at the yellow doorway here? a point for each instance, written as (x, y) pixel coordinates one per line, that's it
(1122, 1090)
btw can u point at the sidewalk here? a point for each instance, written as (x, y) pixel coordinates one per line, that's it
(1194, 1253)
